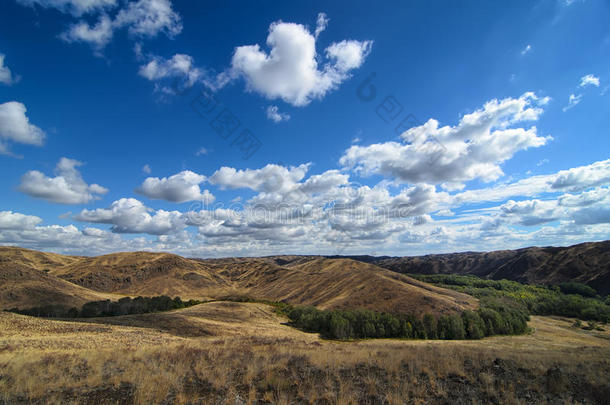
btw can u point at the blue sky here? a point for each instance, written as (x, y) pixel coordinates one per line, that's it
(358, 128)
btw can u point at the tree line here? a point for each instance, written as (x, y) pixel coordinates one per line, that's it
(493, 317)
(571, 299)
(124, 306)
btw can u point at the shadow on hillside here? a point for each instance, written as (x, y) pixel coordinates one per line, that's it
(172, 322)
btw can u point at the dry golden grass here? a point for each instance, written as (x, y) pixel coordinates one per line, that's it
(26, 287)
(238, 353)
(242, 353)
(326, 283)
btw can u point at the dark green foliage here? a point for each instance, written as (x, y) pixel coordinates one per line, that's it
(577, 288)
(568, 299)
(124, 306)
(493, 318)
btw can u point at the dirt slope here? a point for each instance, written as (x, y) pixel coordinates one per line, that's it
(306, 280)
(25, 287)
(345, 283)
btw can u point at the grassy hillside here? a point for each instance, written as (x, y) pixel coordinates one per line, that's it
(586, 263)
(22, 286)
(243, 353)
(325, 283)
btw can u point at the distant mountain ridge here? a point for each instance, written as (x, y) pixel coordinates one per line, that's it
(586, 263)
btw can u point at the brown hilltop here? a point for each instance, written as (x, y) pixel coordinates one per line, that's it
(587, 263)
(307, 280)
(25, 287)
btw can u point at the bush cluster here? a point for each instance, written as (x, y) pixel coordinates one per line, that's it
(568, 299)
(492, 318)
(124, 306)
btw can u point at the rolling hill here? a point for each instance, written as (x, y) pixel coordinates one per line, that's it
(305, 280)
(25, 287)
(587, 263)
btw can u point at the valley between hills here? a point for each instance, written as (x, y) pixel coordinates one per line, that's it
(236, 347)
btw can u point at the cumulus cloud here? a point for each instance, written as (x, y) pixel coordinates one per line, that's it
(593, 215)
(322, 183)
(531, 212)
(146, 169)
(274, 114)
(179, 67)
(348, 55)
(67, 187)
(129, 215)
(587, 208)
(6, 77)
(180, 187)
(576, 179)
(15, 127)
(142, 18)
(328, 214)
(148, 18)
(271, 178)
(15, 220)
(473, 149)
(68, 239)
(589, 80)
(527, 49)
(75, 7)
(582, 177)
(290, 70)
(98, 35)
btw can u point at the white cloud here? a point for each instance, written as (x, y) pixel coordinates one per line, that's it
(6, 77)
(576, 179)
(67, 187)
(289, 71)
(148, 18)
(327, 214)
(527, 49)
(179, 66)
(589, 80)
(531, 212)
(269, 179)
(275, 115)
(15, 127)
(585, 81)
(129, 215)
(474, 149)
(321, 24)
(75, 7)
(146, 169)
(142, 18)
(201, 151)
(179, 188)
(98, 35)
(573, 100)
(583, 177)
(69, 239)
(348, 55)
(322, 183)
(15, 220)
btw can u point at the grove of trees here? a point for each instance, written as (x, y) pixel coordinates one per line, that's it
(492, 318)
(124, 306)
